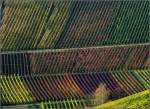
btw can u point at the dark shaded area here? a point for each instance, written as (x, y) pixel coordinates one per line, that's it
(89, 82)
(2, 6)
(117, 94)
(16, 63)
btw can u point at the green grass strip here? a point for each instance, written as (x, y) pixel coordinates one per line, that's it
(136, 101)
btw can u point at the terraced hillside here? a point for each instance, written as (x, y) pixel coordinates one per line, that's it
(73, 54)
(35, 24)
(68, 86)
(131, 102)
(76, 60)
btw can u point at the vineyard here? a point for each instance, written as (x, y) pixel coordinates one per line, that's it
(74, 54)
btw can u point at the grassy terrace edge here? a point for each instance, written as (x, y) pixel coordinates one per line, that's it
(136, 101)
